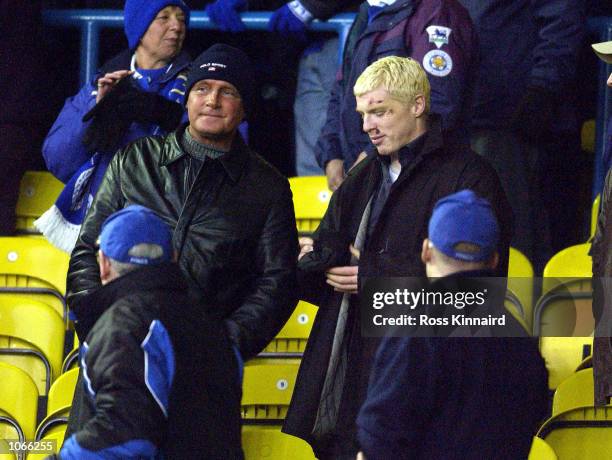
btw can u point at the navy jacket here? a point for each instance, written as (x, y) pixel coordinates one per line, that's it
(453, 398)
(524, 43)
(447, 52)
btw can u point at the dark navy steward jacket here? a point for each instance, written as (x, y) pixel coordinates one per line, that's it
(437, 33)
(63, 148)
(524, 43)
(453, 399)
(160, 378)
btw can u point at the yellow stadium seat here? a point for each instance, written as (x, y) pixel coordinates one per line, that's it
(540, 450)
(587, 136)
(33, 267)
(520, 286)
(263, 442)
(56, 437)
(565, 308)
(18, 403)
(267, 388)
(310, 199)
(595, 214)
(563, 355)
(577, 390)
(71, 360)
(38, 190)
(59, 402)
(579, 430)
(31, 338)
(291, 340)
(563, 315)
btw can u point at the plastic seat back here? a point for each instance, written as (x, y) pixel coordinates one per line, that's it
(38, 191)
(18, 402)
(261, 442)
(267, 388)
(520, 286)
(59, 403)
(310, 199)
(563, 355)
(31, 338)
(580, 433)
(541, 450)
(292, 338)
(55, 436)
(33, 267)
(565, 310)
(575, 391)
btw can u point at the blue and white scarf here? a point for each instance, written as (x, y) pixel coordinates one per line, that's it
(61, 224)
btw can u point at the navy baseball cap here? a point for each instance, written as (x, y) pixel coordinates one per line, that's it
(130, 227)
(463, 226)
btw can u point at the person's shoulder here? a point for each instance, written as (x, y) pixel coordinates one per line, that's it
(152, 146)
(262, 171)
(129, 316)
(449, 13)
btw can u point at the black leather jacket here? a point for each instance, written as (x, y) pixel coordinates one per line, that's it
(234, 231)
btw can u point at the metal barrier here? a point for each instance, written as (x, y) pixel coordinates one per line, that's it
(90, 22)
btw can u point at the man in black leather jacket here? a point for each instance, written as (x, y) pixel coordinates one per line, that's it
(231, 212)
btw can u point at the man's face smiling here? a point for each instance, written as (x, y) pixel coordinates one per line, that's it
(389, 123)
(215, 110)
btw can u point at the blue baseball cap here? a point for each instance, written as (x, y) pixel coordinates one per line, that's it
(130, 227)
(463, 226)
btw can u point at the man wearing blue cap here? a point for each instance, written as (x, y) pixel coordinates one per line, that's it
(159, 377)
(455, 398)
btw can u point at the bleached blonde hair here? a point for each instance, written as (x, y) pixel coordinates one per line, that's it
(403, 78)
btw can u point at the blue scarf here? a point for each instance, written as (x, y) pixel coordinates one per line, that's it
(61, 224)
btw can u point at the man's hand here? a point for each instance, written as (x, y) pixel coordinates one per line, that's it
(362, 156)
(343, 279)
(306, 246)
(224, 13)
(109, 80)
(334, 170)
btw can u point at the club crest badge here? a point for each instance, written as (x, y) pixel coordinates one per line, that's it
(438, 63)
(438, 35)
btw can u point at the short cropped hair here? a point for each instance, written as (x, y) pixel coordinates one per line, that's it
(150, 251)
(403, 78)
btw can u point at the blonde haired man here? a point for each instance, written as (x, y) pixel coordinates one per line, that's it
(374, 227)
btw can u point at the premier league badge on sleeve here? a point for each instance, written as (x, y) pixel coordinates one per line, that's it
(438, 35)
(438, 63)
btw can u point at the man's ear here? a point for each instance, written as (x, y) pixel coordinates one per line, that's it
(493, 261)
(419, 106)
(105, 267)
(425, 251)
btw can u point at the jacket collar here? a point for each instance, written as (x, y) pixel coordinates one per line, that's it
(164, 276)
(86, 311)
(234, 162)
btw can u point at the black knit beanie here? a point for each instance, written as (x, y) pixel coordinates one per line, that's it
(226, 63)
